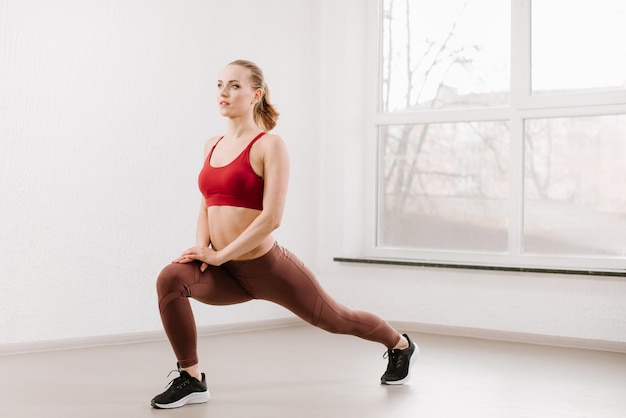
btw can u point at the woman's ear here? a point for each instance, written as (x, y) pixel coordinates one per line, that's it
(258, 95)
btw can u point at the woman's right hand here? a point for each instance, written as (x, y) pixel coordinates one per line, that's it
(187, 258)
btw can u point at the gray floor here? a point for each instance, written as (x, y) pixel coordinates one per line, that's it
(304, 372)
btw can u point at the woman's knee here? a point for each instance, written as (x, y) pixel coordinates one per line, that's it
(340, 326)
(335, 321)
(173, 278)
(332, 327)
(351, 322)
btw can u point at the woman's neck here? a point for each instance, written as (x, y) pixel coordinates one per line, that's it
(238, 129)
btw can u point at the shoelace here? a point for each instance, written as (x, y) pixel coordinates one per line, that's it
(178, 382)
(390, 355)
(395, 359)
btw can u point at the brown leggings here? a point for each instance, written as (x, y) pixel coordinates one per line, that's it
(278, 276)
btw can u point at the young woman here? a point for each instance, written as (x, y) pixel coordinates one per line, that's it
(244, 184)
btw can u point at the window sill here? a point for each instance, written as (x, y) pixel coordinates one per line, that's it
(478, 267)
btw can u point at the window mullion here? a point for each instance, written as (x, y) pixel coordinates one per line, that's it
(520, 95)
(516, 188)
(520, 53)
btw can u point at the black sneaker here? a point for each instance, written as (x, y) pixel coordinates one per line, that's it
(400, 362)
(182, 391)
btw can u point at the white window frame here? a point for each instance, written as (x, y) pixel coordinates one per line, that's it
(523, 106)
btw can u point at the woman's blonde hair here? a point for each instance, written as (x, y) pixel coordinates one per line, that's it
(265, 115)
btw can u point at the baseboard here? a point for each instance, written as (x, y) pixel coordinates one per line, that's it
(509, 336)
(241, 327)
(143, 337)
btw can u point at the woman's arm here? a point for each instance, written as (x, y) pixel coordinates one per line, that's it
(275, 159)
(275, 163)
(203, 237)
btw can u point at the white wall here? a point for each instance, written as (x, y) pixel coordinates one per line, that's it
(104, 106)
(104, 109)
(578, 307)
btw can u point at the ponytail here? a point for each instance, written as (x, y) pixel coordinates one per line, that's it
(265, 114)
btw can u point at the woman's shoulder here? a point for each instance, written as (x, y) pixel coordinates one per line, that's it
(209, 143)
(212, 140)
(272, 140)
(272, 147)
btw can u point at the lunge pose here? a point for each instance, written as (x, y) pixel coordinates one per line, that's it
(235, 259)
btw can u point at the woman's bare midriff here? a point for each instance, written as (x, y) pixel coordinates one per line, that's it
(226, 223)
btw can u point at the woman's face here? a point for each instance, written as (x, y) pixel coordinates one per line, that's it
(235, 94)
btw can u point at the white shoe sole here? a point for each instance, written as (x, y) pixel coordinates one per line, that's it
(408, 375)
(192, 398)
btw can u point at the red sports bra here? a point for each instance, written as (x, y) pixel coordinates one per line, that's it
(235, 184)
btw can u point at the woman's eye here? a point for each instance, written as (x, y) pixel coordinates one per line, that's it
(235, 86)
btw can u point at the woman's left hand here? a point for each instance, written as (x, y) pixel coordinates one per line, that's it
(207, 255)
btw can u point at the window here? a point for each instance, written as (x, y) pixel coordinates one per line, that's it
(501, 133)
